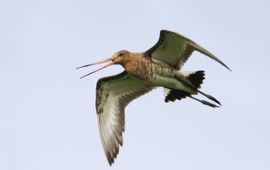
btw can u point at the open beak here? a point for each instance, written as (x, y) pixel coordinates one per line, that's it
(100, 62)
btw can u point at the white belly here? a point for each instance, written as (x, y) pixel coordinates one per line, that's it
(170, 82)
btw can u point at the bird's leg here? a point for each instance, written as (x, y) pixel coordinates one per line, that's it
(204, 102)
(209, 97)
(185, 81)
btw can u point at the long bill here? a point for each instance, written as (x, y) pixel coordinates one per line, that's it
(100, 62)
(111, 63)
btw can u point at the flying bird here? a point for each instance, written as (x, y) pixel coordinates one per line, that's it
(157, 67)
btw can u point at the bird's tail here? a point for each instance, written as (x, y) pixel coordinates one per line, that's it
(196, 79)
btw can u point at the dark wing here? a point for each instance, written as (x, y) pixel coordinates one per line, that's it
(112, 96)
(174, 49)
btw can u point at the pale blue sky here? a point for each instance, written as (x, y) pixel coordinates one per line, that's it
(47, 114)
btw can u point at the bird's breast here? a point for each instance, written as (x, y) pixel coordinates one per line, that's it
(144, 69)
(139, 68)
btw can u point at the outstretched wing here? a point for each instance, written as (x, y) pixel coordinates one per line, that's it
(112, 96)
(174, 49)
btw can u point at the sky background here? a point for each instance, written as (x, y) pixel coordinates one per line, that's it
(47, 114)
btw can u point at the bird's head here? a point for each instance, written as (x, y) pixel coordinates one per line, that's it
(120, 57)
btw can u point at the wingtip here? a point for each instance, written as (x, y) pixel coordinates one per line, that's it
(111, 161)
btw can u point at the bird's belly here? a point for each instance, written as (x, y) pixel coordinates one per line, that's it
(168, 80)
(158, 75)
(165, 81)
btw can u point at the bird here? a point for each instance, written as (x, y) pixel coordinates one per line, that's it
(144, 71)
